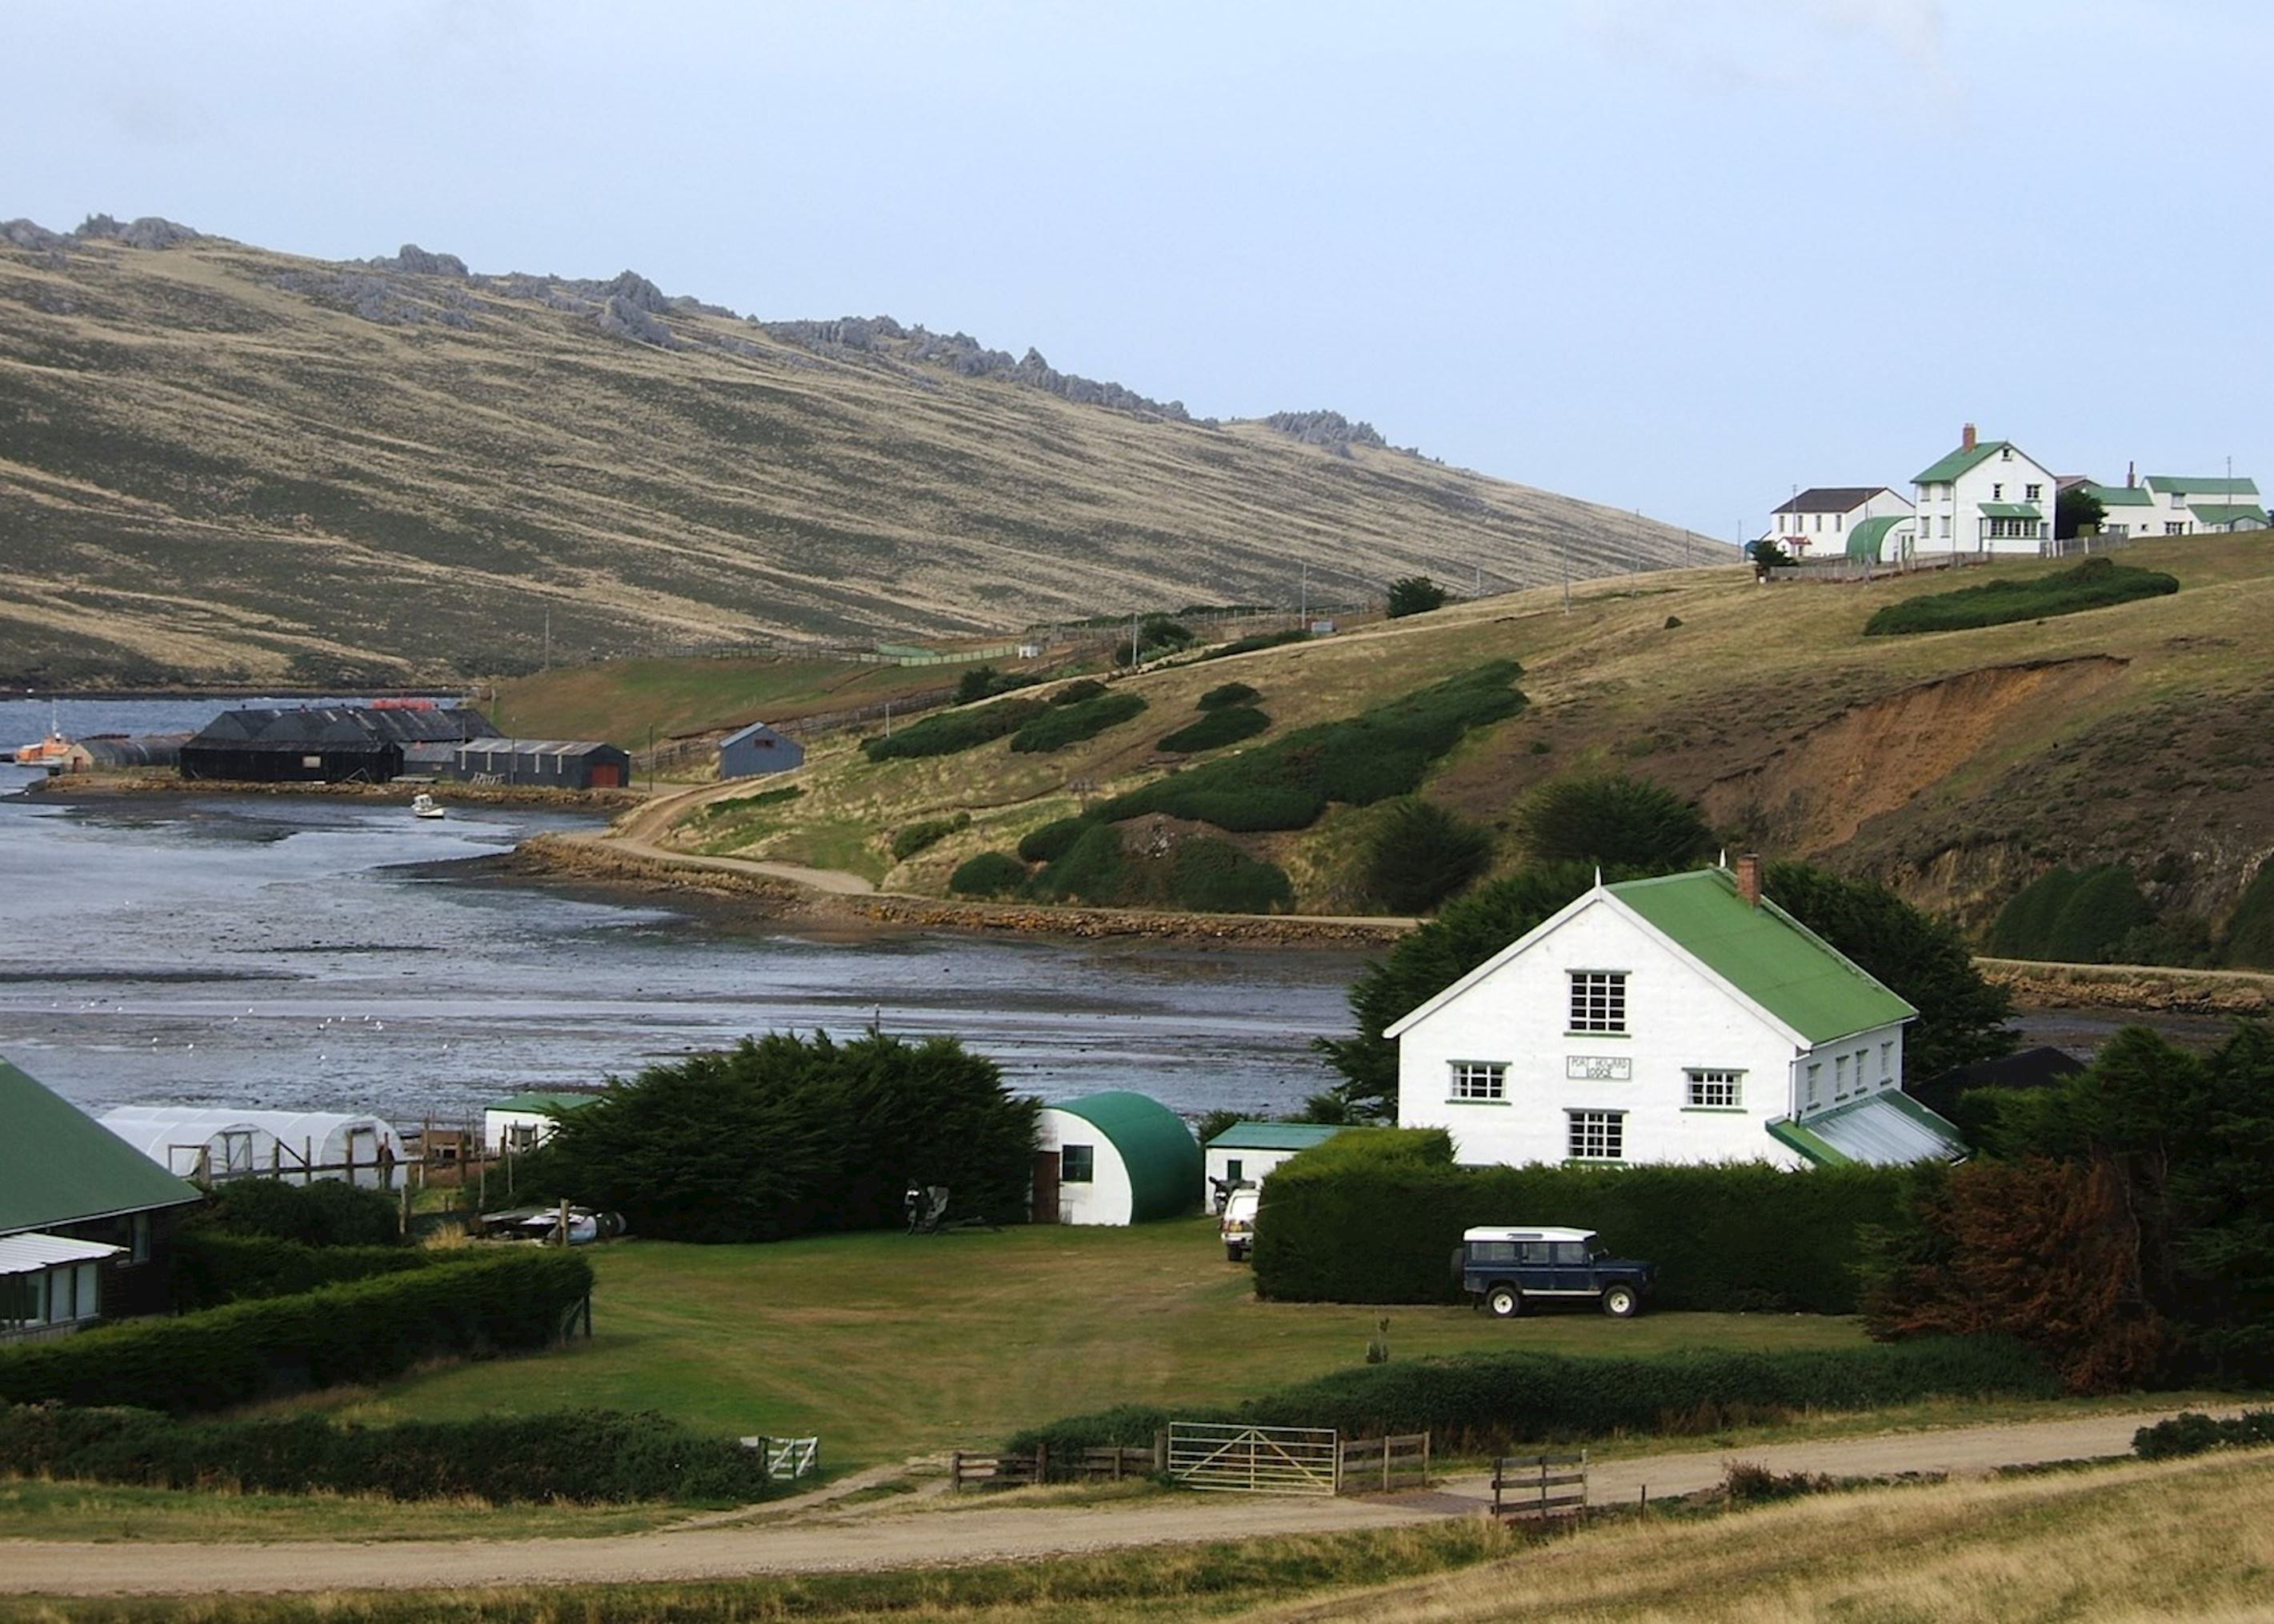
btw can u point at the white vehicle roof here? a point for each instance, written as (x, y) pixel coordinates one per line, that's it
(1538, 1233)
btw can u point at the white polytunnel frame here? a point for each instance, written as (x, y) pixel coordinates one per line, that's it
(296, 1146)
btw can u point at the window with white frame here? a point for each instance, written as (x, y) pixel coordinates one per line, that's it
(2032, 492)
(1887, 1064)
(1710, 1089)
(1597, 1136)
(1480, 1079)
(1812, 1094)
(1599, 1001)
(1839, 1077)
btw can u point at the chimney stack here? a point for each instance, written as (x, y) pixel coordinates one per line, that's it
(2130, 474)
(1966, 438)
(1749, 879)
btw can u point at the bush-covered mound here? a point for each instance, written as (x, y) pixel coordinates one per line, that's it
(1074, 692)
(2192, 1433)
(2074, 918)
(1376, 1217)
(484, 1301)
(1061, 726)
(213, 1266)
(1260, 640)
(2097, 583)
(990, 874)
(910, 838)
(1195, 874)
(1286, 784)
(329, 1212)
(952, 731)
(1226, 693)
(1477, 1403)
(984, 682)
(1420, 854)
(782, 1136)
(1053, 840)
(1216, 729)
(595, 1456)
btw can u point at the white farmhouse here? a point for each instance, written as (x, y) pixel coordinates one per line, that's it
(1817, 522)
(1683, 1018)
(1986, 497)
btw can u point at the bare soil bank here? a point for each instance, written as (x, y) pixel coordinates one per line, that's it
(592, 863)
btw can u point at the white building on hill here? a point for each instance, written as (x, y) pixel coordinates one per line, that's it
(1818, 521)
(1987, 497)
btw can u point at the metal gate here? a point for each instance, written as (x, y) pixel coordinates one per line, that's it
(1254, 1460)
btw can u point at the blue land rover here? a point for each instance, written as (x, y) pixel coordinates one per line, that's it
(1507, 1269)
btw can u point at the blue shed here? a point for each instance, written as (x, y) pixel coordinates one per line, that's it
(757, 749)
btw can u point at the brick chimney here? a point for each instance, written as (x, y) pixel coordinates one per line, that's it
(1749, 879)
(1966, 438)
(2130, 474)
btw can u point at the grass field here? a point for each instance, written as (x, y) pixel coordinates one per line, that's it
(889, 1345)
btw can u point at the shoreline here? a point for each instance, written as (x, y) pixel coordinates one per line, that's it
(68, 789)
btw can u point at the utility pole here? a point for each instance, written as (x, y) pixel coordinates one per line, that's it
(1133, 640)
(548, 640)
(1305, 615)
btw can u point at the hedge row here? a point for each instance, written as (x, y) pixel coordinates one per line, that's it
(1259, 641)
(2096, 583)
(1479, 1402)
(212, 1266)
(948, 732)
(1062, 724)
(1226, 725)
(1375, 1217)
(327, 1212)
(364, 1331)
(2192, 1433)
(910, 838)
(589, 1455)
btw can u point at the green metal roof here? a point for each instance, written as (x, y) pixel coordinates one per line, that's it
(60, 1166)
(1273, 1135)
(1958, 462)
(2168, 484)
(1764, 953)
(2012, 510)
(2228, 513)
(2122, 495)
(546, 1101)
(1869, 536)
(1886, 1129)
(1164, 1159)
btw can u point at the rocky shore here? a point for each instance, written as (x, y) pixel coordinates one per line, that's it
(96, 786)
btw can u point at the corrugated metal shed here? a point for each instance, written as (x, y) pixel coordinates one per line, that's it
(1886, 1130)
(59, 1166)
(759, 749)
(1163, 1158)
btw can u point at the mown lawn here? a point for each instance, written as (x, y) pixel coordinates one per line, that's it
(889, 1345)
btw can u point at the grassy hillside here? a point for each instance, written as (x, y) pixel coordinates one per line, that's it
(1958, 765)
(220, 463)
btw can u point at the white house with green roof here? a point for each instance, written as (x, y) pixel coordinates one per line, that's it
(1244, 1152)
(2179, 505)
(525, 1121)
(1987, 497)
(1681, 1018)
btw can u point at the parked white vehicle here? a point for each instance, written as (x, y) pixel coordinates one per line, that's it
(1239, 1226)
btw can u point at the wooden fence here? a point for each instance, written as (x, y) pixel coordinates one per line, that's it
(787, 1457)
(971, 1470)
(1379, 1464)
(1539, 1485)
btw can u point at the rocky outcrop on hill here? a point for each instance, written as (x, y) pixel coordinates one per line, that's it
(623, 316)
(31, 235)
(148, 232)
(884, 339)
(382, 299)
(1327, 429)
(416, 261)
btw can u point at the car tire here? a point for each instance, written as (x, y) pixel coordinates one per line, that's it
(1504, 1301)
(1233, 1254)
(1621, 1302)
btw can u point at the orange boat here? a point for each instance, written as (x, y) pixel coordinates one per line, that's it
(53, 752)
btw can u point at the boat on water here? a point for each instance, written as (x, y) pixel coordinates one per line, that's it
(53, 752)
(423, 805)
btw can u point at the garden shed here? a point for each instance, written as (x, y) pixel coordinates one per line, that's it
(1246, 1151)
(1114, 1157)
(759, 749)
(299, 1147)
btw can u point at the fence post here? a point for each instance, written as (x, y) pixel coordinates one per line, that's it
(954, 1470)
(765, 1465)
(1042, 1465)
(1161, 1450)
(1425, 1460)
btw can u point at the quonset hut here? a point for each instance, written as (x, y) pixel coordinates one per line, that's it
(1114, 1157)
(296, 1147)
(332, 744)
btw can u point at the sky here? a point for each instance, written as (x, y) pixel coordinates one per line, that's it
(1678, 256)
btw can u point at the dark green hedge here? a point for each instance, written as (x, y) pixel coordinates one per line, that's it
(2096, 583)
(364, 1331)
(2192, 1433)
(990, 874)
(2071, 917)
(1073, 692)
(910, 838)
(1226, 693)
(329, 1212)
(1376, 1217)
(1053, 840)
(1060, 725)
(212, 1266)
(1479, 1402)
(950, 731)
(1217, 728)
(1260, 640)
(591, 1455)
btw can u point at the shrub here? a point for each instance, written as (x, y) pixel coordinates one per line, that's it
(2250, 940)
(984, 682)
(588, 1455)
(2097, 583)
(480, 1302)
(1752, 1483)
(1226, 693)
(751, 803)
(1216, 729)
(212, 1266)
(910, 838)
(1614, 822)
(2073, 918)
(1092, 868)
(952, 731)
(990, 874)
(1415, 595)
(1260, 640)
(1375, 1218)
(2192, 1433)
(783, 1136)
(1215, 876)
(1479, 1404)
(1286, 784)
(1073, 692)
(1052, 840)
(1157, 634)
(1061, 726)
(329, 1212)
(1420, 854)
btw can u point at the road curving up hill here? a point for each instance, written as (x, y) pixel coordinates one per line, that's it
(222, 463)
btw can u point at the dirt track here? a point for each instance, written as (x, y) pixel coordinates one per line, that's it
(897, 1535)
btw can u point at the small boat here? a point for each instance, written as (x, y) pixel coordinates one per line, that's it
(423, 805)
(53, 752)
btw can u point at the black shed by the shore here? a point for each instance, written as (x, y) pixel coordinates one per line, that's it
(338, 744)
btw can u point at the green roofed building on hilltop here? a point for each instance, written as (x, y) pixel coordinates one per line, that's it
(1988, 497)
(1681, 1018)
(1114, 1158)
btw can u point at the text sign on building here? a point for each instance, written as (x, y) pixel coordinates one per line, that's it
(1597, 1068)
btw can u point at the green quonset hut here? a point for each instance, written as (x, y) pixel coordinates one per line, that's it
(1115, 1157)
